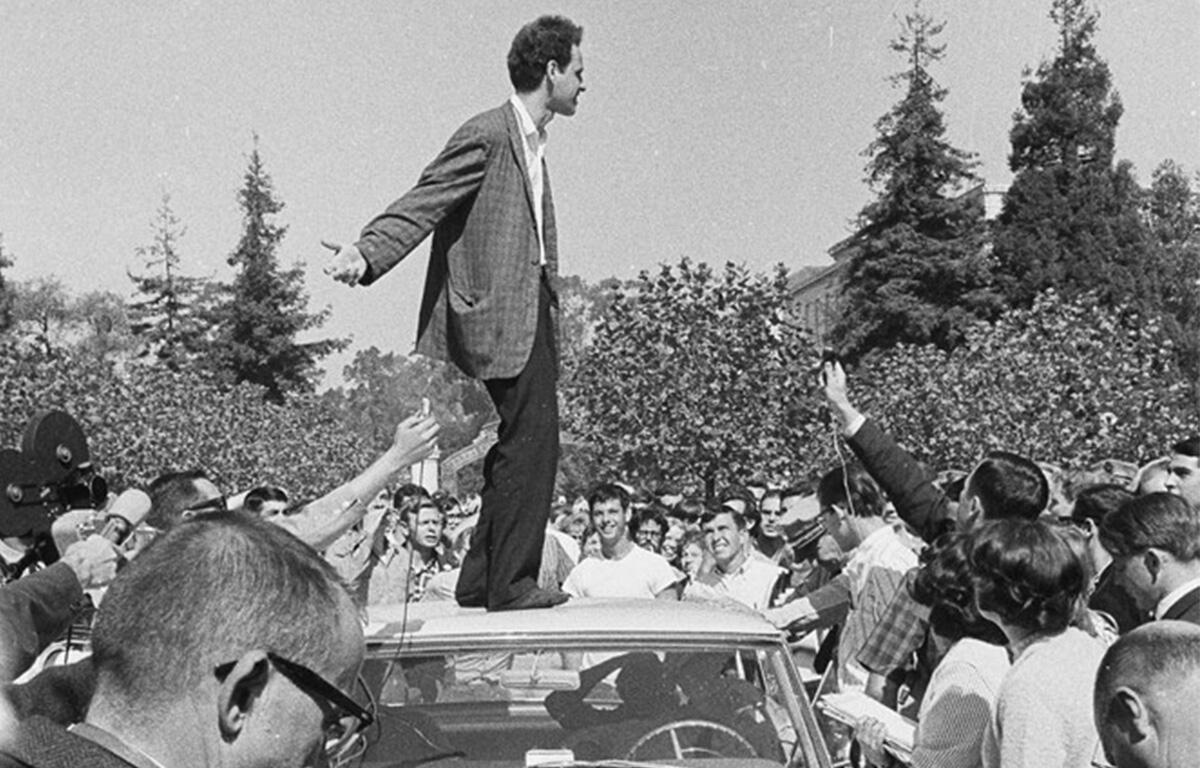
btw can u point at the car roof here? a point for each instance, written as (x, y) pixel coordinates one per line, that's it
(581, 619)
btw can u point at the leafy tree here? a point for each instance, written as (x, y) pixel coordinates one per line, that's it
(42, 315)
(168, 312)
(581, 305)
(918, 272)
(1071, 218)
(383, 389)
(1066, 380)
(266, 308)
(103, 317)
(698, 377)
(50, 322)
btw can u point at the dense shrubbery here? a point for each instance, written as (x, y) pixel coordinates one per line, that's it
(698, 377)
(1067, 381)
(144, 420)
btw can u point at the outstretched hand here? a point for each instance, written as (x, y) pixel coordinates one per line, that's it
(348, 265)
(415, 439)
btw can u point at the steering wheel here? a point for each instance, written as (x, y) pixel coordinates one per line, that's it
(673, 729)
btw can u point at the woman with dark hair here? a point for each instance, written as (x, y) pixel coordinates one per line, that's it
(1030, 583)
(958, 702)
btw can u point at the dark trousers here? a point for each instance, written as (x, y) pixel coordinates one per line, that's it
(518, 478)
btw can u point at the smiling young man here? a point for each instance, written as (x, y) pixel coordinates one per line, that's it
(737, 574)
(623, 569)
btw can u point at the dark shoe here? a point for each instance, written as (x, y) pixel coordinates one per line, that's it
(534, 598)
(470, 601)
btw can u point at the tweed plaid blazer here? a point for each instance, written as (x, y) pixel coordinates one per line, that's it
(479, 308)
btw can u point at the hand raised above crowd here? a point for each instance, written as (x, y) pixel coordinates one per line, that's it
(414, 440)
(833, 384)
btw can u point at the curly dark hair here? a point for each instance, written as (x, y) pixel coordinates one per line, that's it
(1027, 574)
(546, 39)
(944, 583)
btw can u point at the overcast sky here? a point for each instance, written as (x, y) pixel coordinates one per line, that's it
(719, 129)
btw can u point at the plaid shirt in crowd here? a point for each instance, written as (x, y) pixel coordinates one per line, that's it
(899, 634)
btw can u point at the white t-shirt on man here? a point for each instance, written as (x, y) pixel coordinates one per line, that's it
(640, 573)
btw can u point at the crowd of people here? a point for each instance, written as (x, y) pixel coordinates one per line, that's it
(1017, 626)
(991, 606)
(1022, 617)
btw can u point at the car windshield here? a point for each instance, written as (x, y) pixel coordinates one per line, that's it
(515, 705)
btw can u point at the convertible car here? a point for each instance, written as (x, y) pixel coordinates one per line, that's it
(590, 682)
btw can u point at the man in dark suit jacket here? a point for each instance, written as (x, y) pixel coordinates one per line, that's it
(489, 301)
(1155, 544)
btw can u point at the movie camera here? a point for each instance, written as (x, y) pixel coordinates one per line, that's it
(50, 473)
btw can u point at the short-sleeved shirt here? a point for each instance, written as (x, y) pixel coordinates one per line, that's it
(752, 584)
(640, 573)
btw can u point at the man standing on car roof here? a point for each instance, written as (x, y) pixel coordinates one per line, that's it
(490, 298)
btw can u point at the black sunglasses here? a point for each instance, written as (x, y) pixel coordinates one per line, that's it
(350, 718)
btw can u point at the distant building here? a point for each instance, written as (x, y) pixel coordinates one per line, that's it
(817, 291)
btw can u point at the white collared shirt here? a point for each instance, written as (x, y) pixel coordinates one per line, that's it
(1174, 596)
(883, 548)
(535, 153)
(750, 584)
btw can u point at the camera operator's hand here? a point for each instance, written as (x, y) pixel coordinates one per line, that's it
(94, 561)
(833, 384)
(415, 439)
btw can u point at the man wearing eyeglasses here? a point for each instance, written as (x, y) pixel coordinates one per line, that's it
(242, 658)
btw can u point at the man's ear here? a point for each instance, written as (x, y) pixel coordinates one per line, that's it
(974, 509)
(1129, 716)
(239, 693)
(1153, 558)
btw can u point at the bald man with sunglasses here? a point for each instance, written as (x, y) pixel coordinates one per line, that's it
(244, 658)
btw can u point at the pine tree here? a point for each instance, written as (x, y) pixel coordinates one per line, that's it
(168, 313)
(266, 307)
(919, 270)
(1173, 209)
(1071, 217)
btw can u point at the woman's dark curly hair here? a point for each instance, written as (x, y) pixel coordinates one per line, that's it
(1025, 572)
(943, 583)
